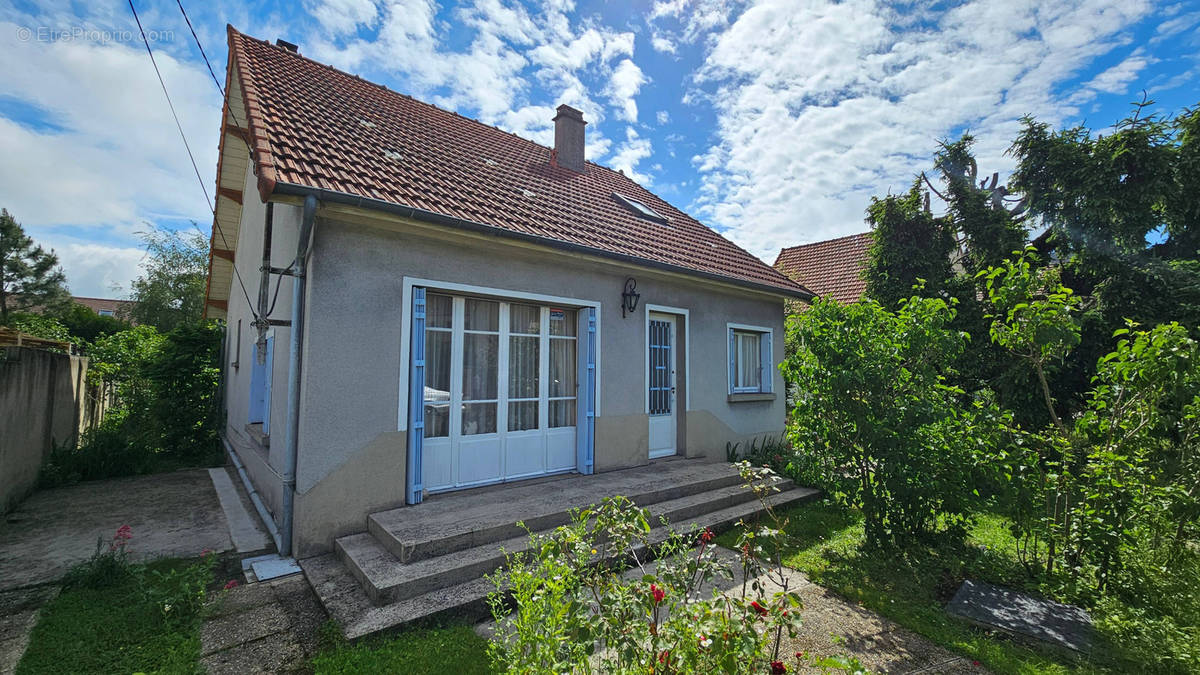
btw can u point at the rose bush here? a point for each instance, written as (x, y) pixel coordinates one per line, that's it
(584, 598)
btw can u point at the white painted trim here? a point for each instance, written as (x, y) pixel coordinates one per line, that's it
(470, 289)
(729, 355)
(687, 353)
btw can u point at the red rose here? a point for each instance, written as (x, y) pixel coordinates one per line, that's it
(707, 535)
(762, 611)
(232, 583)
(658, 593)
(777, 668)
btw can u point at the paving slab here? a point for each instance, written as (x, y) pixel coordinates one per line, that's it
(242, 627)
(1023, 615)
(275, 653)
(245, 527)
(175, 515)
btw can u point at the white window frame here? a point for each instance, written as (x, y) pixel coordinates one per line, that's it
(766, 349)
(683, 315)
(501, 294)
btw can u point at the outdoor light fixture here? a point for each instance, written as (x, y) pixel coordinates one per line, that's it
(629, 298)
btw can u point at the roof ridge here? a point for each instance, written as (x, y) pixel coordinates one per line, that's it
(824, 241)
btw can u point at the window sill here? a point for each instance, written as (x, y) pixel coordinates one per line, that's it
(257, 435)
(748, 398)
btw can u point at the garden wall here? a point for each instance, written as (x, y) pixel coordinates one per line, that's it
(44, 399)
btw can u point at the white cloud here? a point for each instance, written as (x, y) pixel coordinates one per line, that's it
(629, 154)
(343, 16)
(98, 152)
(627, 80)
(662, 116)
(821, 106)
(1116, 80)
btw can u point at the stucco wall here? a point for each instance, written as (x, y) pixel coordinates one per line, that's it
(44, 400)
(355, 318)
(262, 463)
(352, 445)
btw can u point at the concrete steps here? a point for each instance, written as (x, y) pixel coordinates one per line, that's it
(418, 562)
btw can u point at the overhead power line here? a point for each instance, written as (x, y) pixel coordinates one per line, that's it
(188, 146)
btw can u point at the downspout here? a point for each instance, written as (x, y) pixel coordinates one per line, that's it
(297, 342)
(255, 499)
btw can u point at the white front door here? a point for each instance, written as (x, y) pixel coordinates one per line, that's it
(660, 378)
(500, 391)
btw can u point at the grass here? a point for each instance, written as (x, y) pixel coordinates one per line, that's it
(426, 649)
(912, 588)
(111, 630)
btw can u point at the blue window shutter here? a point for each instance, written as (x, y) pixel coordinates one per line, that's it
(585, 430)
(268, 373)
(768, 360)
(732, 362)
(413, 492)
(255, 414)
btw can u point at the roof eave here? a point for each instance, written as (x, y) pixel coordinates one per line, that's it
(348, 199)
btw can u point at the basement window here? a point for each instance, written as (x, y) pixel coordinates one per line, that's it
(640, 208)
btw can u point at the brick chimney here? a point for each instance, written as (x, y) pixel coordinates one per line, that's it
(568, 138)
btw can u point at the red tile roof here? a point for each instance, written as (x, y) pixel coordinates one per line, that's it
(316, 127)
(832, 267)
(110, 304)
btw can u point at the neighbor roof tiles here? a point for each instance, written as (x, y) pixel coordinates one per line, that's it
(829, 268)
(317, 127)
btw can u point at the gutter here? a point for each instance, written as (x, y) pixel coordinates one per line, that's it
(291, 448)
(472, 226)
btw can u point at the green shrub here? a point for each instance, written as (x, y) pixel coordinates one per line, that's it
(587, 584)
(877, 425)
(105, 451)
(179, 593)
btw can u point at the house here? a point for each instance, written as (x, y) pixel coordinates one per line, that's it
(830, 268)
(417, 303)
(105, 306)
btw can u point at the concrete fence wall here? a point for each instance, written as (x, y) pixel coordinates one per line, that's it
(44, 400)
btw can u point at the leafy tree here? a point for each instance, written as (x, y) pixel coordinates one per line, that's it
(40, 326)
(184, 377)
(170, 291)
(30, 277)
(878, 424)
(86, 325)
(909, 246)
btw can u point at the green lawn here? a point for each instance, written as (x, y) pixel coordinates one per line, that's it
(111, 630)
(912, 588)
(453, 648)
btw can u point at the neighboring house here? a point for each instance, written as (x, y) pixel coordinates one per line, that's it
(831, 268)
(472, 307)
(106, 306)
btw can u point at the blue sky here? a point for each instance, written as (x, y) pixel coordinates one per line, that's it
(773, 121)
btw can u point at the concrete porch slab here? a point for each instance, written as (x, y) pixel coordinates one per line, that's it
(175, 514)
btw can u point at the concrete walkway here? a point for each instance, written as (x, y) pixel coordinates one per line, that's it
(265, 627)
(172, 515)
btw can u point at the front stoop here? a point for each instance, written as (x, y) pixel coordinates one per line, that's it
(421, 561)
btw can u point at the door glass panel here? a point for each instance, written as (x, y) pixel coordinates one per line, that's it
(562, 321)
(562, 413)
(522, 415)
(439, 309)
(660, 368)
(526, 319)
(480, 366)
(562, 367)
(481, 315)
(523, 367)
(437, 383)
(478, 418)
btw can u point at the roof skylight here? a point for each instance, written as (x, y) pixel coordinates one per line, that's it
(640, 208)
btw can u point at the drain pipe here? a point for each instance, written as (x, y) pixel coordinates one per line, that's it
(293, 411)
(255, 499)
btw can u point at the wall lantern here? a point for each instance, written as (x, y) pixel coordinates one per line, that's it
(629, 298)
